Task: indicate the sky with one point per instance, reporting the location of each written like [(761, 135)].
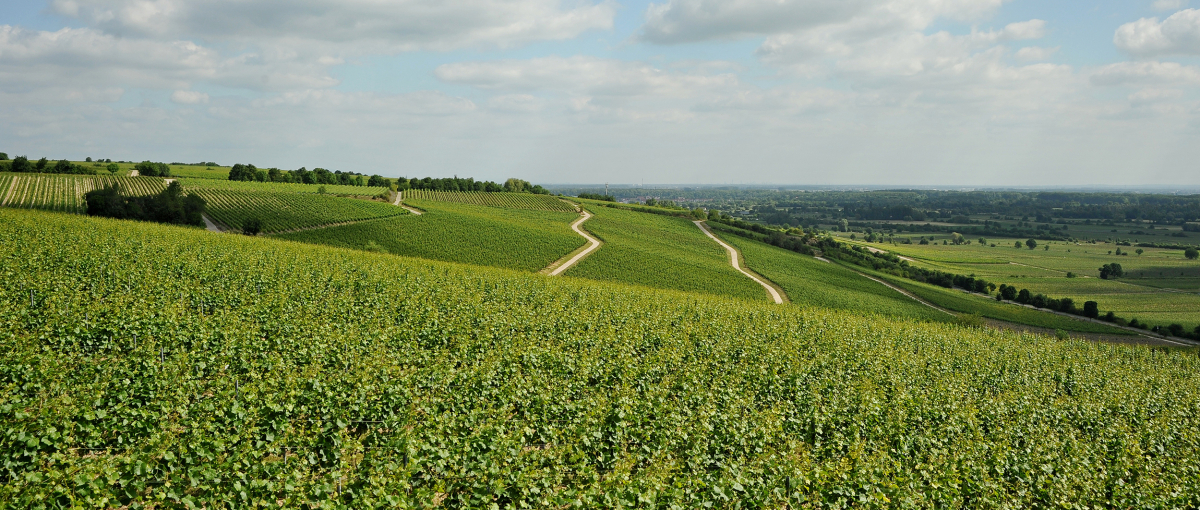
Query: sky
[(873, 92)]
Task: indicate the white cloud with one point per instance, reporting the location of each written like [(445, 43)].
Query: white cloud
[(352, 25), (1179, 34), (583, 75), (1036, 53), (1145, 73), (1169, 5), (189, 97), (31, 59), (678, 21)]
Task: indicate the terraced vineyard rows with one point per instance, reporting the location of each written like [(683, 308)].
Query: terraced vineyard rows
[(280, 212), (660, 251), (508, 200), (242, 372), (278, 187), (64, 193), (511, 238)]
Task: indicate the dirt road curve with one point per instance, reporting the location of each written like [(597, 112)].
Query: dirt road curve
[(733, 259), (210, 225), (593, 244)]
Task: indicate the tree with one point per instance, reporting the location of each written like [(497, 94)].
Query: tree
[(113, 168), (240, 172), (844, 226), (62, 167), (1140, 251), (88, 160), (1111, 271), (152, 169), (22, 164), (3, 156), (1017, 244), (1091, 309), (252, 226), (1031, 243), (514, 185), (957, 239), (41, 164), (1191, 254), (982, 241)]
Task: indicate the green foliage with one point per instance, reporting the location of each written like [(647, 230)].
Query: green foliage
[(660, 251), (152, 169), (252, 226), (526, 240), (1111, 271), (808, 281), (1190, 253), (169, 206), (280, 212), (237, 372), (113, 168), (280, 187), (1031, 243), (65, 192), (508, 200)]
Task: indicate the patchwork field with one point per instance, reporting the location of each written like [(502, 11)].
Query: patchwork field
[(280, 187), (279, 212), (660, 251), (505, 200), (64, 193), (1159, 287), (522, 239)]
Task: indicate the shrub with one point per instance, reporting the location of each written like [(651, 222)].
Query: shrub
[(252, 226)]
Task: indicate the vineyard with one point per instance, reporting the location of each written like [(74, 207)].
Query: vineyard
[(660, 251), (811, 282), (506, 200), (280, 212), (525, 240), (278, 187), (237, 372), (65, 192)]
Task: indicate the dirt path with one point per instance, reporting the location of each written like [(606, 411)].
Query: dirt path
[(907, 293), (733, 259), (211, 225), (9, 192), (413, 210), (133, 173), (877, 250), (559, 266)]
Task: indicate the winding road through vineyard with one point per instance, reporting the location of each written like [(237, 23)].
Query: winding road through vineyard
[(733, 259)]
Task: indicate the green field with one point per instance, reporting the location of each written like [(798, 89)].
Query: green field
[(281, 187), (200, 172), (60, 192), (508, 200), (808, 281), (280, 212), (526, 240), (1160, 287), (147, 365), (660, 251)]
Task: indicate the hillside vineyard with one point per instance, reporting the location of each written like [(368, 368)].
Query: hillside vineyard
[(146, 365)]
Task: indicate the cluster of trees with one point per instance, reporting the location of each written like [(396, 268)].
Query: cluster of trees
[(21, 164), (152, 169), (241, 172), (597, 196), (512, 185), (1111, 271), (169, 206), (1090, 309)]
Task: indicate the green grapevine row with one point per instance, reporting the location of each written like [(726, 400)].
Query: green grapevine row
[(289, 211), (195, 183), (508, 200), (53, 192), (526, 240), (149, 365)]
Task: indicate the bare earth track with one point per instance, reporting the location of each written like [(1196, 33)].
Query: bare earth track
[(733, 259), (559, 266)]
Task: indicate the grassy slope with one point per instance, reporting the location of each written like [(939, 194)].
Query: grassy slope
[(395, 382), (487, 236), (281, 187), (660, 251), (494, 199), (811, 282), (1045, 272)]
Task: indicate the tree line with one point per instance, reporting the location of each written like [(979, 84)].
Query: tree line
[(247, 172)]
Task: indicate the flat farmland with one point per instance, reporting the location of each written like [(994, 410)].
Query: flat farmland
[(1159, 286)]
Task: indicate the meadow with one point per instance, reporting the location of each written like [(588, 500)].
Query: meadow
[(660, 251), (811, 282), (522, 239), (280, 212), (237, 372), (1159, 288), (505, 200)]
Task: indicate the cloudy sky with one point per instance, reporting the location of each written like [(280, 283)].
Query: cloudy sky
[(918, 92)]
